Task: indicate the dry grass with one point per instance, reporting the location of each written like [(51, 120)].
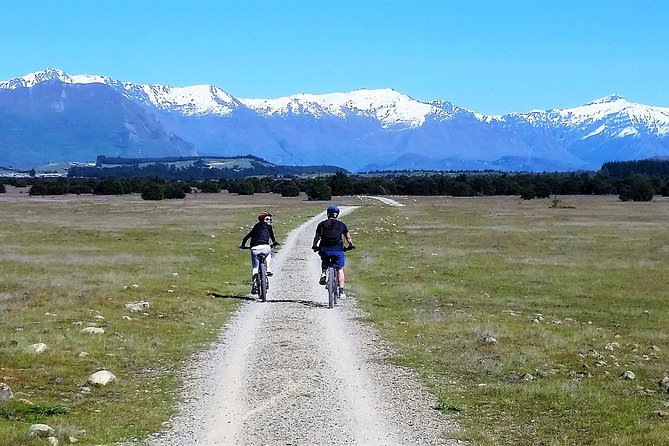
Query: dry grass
[(73, 262), (574, 296)]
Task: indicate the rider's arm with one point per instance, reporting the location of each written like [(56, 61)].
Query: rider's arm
[(347, 235), (246, 237), (317, 236)]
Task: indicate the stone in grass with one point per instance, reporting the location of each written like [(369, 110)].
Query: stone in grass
[(36, 349), (93, 330), (52, 441), (40, 430), (629, 375), (136, 307), (5, 393), (663, 384), (101, 378)]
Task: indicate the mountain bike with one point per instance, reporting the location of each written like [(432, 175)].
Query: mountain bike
[(261, 280), (332, 279)]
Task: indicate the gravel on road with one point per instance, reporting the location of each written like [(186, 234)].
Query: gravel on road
[(290, 371)]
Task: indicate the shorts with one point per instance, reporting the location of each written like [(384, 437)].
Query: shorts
[(334, 255)]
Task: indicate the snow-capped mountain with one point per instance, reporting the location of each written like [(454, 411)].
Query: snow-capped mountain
[(53, 116)]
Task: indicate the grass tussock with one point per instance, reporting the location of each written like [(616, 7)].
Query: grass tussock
[(573, 296)]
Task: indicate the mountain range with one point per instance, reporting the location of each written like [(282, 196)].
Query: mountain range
[(50, 116)]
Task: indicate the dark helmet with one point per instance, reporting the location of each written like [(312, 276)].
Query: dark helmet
[(333, 210), (264, 215)]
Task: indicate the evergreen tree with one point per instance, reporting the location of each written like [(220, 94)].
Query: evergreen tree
[(527, 192), (340, 184), (153, 191), (245, 187), (108, 186), (290, 190), (208, 186), (319, 190), (637, 188), (174, 190)]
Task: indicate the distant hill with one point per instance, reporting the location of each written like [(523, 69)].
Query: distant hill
[(194, 167)]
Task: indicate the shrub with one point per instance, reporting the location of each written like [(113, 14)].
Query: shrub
[(209, 186), (527, 192), (245, 188), (637, 188), (174, 191), (153, 191), (290, 190), (2, 188), (80, 188), (319, 190), (109, 186), (48, 188), (664, 190)]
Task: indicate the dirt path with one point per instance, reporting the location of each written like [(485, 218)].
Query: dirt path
[(385, 200), (293, 372)]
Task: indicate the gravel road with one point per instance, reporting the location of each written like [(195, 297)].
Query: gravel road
[(293, 372)]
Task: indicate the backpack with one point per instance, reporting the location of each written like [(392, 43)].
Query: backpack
[(331, 233)]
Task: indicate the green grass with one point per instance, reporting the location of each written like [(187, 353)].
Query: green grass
[(72, 262), (437, 277), (440, 276)]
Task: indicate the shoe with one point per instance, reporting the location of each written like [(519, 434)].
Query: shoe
[(322, 280), (270, 273), (342, 295), (254, 289)]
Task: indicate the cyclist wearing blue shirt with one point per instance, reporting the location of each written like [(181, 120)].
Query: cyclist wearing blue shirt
[(328, 243)]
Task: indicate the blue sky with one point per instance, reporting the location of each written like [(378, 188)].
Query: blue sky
[(490, 56)]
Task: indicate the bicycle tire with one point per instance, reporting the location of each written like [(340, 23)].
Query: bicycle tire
[(330, 282), (262, 281)]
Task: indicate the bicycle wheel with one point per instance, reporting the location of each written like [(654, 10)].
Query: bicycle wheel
[(262, 281), (331, 285)]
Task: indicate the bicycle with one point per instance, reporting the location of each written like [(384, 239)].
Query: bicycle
[(261, 280), (332, 279)]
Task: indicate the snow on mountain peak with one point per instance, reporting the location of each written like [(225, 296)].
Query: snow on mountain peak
[(192, 100), (386, 105), (32, 79)]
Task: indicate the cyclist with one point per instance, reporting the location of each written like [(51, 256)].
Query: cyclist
[(260, 235), (328, 243)]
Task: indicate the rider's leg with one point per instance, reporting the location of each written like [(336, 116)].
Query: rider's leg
[(268, 261), (254, 270), (324, 267), (254, 262), (342, 282), (341, 275)]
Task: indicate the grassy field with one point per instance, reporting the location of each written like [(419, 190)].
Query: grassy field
[(523, 315), (74, 262)]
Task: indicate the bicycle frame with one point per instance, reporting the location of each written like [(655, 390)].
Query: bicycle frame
[(262, 281), (332, 284)]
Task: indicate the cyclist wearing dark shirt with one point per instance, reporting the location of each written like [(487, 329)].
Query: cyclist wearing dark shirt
[(261, 234), (328, 243)]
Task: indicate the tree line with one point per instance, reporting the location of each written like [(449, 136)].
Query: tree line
[(637, 187)]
